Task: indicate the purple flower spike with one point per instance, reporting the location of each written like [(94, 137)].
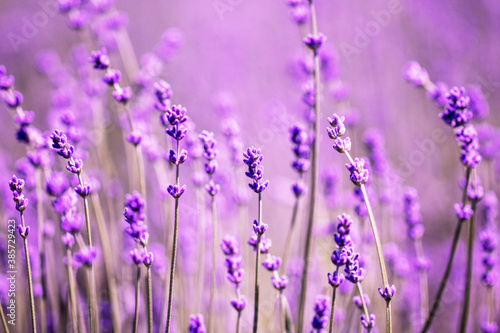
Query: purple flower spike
[(196, 324), (14, 100), (59, 139), (16, 184), (148, 259), (321, 308), (99, 59), (229, 245), (280, 283), (368, 323), (23, 231), (239, 303), (176, 115), (463, 213), (21, 201), (176, 191), (387, 292), (68, 239), (336, 279), (75, 166), (137, 256), (342, 145), (259, 229), (123, 95), (314, 42), (84, 190), (163, 92), (489, 327), (415, 74), (134, 137), (456, 112), (86, 256), (337, 128), (176, 160), (359, 175), (112, 77), (272, 263)]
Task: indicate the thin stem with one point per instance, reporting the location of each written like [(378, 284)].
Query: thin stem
[(332, 313), (174, 250), (108, 262), (201, 244), (30, 280), (449, 265), (149, 288), (41, 247), (468, 278), (214, 251), (257, 256), (4, 322), (71, 281), (136, 308), (314, 172), (94, 326), (238, 322), (365, 308), (424, 285), (289, 236)]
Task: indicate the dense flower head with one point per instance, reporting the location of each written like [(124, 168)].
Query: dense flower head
[(337, 128), (265, 243), (321, 309), (196, 324), (413, 217), (99, 59), (359, 174), (279, 283), (134, 216), (368, 322), (314, 42), (16, 186), (456, 112), (176, 116), (387, 292), (463, 212), (163, 92), (86, 255), (239, 303), (467, 137), (272, 263), (229, 245), (354, 272), (415, 74), (252, 158)]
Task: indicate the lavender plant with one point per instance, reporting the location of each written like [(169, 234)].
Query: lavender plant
[(123, 146)]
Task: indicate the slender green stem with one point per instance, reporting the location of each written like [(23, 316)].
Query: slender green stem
[(214, 251), (71, 282), (468, 277), (136, 308), (449, 265), (257, 256), (4, 322), (238, 322), (30, 279), (314, 172), (149, 288), (174, 251)]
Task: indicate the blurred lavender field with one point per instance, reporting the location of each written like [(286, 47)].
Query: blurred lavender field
[(242, 71)]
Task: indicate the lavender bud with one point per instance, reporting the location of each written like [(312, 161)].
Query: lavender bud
[(239, 303), (83, 190), (23, 231), (259, 229), (387, 292)]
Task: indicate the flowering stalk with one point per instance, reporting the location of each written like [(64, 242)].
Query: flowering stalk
[(100, 61), (17, 186), (68, 240), (475, 193), (235, 273), (320, 313), (416, 229), (339, 258), (359, 176), (272, 264), (175, 116), (210, 153), (65, 150), (301, 164), (312, 41), (457, 115), (253, 158)]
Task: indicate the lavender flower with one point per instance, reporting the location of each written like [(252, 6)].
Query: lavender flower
[(320, 318), (196, 324), (235, 272), (253, 158)]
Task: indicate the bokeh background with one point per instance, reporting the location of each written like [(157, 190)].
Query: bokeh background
[(249, 50)]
